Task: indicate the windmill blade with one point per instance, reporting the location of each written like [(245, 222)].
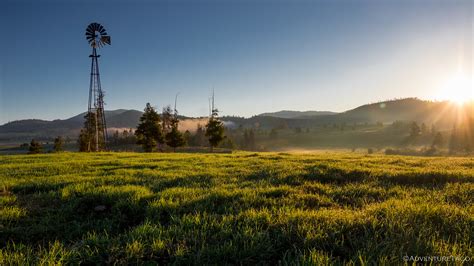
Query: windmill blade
[(105, 39)]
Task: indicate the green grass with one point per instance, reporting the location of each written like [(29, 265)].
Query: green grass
[(240, 208)]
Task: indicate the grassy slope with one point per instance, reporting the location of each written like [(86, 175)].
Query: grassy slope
[(234, 208)]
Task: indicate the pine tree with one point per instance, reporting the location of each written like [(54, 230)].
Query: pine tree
[(87, 137), (35, 147), (433, 130), (438, 140), (58, 144), (453, 140), (249, 139), (228, 143), (174, 138), (187, 137), (214, 130), (414, 130), (166, 117), (116, 137), (149, 132), (199, 137), (424, 129)]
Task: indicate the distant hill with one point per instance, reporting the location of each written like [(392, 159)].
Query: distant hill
[(442, 114), (23, 130), (297, 114)]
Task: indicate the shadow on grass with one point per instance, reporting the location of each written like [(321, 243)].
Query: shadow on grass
[(50, 217)]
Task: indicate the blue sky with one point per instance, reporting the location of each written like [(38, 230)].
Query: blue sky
[(259, 56)]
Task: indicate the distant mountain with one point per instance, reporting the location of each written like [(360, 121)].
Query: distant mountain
[(42, 129), (410, 109), (108, 114), (442, 114), (297, 114)]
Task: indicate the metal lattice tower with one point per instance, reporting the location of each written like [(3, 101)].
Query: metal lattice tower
[(97, 38)]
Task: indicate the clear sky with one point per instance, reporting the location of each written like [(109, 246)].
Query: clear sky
[(259, 55)]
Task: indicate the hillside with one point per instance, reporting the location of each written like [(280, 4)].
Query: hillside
[(297, 114), (410, 109), (442, 114), (23, 130)]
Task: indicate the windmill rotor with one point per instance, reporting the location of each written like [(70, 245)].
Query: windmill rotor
[(97, 36)]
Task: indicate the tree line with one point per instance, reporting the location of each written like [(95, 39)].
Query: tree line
[(155, 131), (160, 132)]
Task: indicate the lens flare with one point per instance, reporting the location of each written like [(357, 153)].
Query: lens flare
[(458, 89)]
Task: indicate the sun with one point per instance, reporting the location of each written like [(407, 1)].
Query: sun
[(458, 89)]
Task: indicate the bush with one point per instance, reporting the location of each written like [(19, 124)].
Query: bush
[(35, 147)]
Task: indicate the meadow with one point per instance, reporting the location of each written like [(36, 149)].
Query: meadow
[(238, 208)]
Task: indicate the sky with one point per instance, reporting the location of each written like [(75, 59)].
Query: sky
[(258, 56)]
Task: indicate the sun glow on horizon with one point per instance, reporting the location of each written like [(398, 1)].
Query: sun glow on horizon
[(458, 89)]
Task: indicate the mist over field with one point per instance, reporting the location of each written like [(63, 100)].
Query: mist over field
[(404, 126)]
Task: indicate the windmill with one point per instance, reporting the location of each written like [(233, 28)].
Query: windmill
[(97, 38)]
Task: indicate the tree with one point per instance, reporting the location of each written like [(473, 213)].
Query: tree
[(249, 139), (214, 130), (424, 129), (87, 138), (199, 137), (273, 133), (174, 138), (35, 147), (149, 132), (58, 144), (116, 137), (433, 130), (454, 143), (414, 130), (228, 143), (125, 134), (166, 117), (187, 137), (438, 140)]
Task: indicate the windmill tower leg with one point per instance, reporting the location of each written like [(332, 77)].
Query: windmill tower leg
[(96, 107)]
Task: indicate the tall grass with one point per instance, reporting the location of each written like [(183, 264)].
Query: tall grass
[(240, 208)]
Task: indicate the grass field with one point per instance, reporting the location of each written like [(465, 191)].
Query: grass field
[(240, 208)]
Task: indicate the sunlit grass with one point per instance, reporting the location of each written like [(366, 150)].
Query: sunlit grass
[(241, 208)]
